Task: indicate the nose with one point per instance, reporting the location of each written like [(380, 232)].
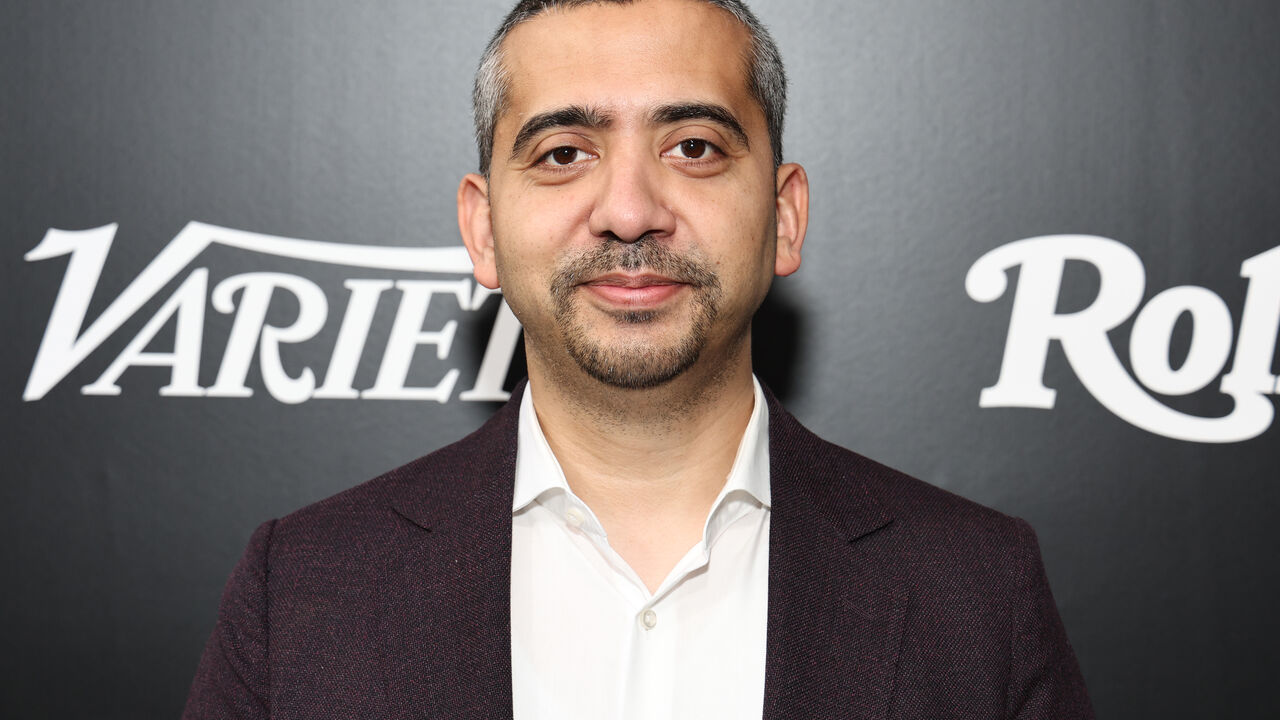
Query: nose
[(633, 201)]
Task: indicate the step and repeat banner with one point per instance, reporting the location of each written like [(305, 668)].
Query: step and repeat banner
[(1043, 272)]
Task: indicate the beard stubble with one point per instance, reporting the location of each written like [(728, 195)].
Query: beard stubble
[(640, 364)]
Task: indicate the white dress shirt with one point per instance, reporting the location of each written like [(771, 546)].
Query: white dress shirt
[(588, 639)]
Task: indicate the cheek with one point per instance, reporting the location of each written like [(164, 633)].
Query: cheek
[(740, 205), (745, 236), (525, 256), (531, 224), (744, 256)]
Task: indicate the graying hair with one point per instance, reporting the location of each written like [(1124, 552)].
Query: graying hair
[(766, 78)]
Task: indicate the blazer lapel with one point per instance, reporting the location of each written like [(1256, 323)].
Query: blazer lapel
[(446, 629), (837, 603)]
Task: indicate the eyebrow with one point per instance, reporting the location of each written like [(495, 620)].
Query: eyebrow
[(718, 114), (571, 116)]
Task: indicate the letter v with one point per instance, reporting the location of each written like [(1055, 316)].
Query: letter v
[(63, 346)]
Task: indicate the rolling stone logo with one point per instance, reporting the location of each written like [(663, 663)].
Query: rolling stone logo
[(1034, 325), (1083, 335)]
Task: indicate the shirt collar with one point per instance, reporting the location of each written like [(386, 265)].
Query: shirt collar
[(538, 472)]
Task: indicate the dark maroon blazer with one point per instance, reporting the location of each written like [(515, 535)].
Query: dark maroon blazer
[(888, 598)]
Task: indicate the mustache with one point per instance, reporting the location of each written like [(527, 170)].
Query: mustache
[(645, 254)]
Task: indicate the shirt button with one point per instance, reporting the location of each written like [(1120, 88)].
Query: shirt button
[(649, 619), (574, 517)]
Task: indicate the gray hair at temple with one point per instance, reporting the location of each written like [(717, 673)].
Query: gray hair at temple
[(766, 78)]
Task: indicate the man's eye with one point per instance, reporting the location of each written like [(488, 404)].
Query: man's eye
[(566, 155), (694, 149)]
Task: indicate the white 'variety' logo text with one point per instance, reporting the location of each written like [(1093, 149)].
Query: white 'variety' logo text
[(67, 342)]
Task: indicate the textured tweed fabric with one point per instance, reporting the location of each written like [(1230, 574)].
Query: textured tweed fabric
[(888, 598)]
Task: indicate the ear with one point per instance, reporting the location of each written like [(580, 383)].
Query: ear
[(793, 217), (477, 228)]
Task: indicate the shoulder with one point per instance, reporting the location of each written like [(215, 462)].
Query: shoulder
[(927, 522), (966, 582), (461, 477), (930, 511)]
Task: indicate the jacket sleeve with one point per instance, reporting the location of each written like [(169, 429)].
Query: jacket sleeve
[(233, 677), (1044, 678)]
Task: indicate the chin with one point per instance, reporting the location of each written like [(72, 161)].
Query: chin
[(634, 366)]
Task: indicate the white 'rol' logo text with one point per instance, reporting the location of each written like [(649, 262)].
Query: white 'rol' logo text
[(1083, 335), (67, 342)]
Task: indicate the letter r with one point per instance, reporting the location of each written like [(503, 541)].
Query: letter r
[(1035, 322)]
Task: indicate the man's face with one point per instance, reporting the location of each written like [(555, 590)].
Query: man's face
[(632, 209)]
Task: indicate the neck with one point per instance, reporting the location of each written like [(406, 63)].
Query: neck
[(649, 463), (646, 438)]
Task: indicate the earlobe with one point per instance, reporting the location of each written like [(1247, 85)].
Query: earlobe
[(793, 217), (476, 227)]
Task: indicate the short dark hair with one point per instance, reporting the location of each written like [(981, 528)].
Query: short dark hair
[(766, 78)]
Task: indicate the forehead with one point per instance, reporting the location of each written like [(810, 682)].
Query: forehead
[(626, 56)]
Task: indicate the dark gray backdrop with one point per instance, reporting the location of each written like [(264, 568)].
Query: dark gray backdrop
[(933, 132)]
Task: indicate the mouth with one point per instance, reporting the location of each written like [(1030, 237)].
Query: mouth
[(633, 290)]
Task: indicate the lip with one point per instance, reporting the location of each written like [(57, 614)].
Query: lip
[(633, 290)]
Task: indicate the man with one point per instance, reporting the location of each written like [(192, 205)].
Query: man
[(642, 532)]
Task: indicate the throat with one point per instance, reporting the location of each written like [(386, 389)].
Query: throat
[(653, 548), (649, 469)]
